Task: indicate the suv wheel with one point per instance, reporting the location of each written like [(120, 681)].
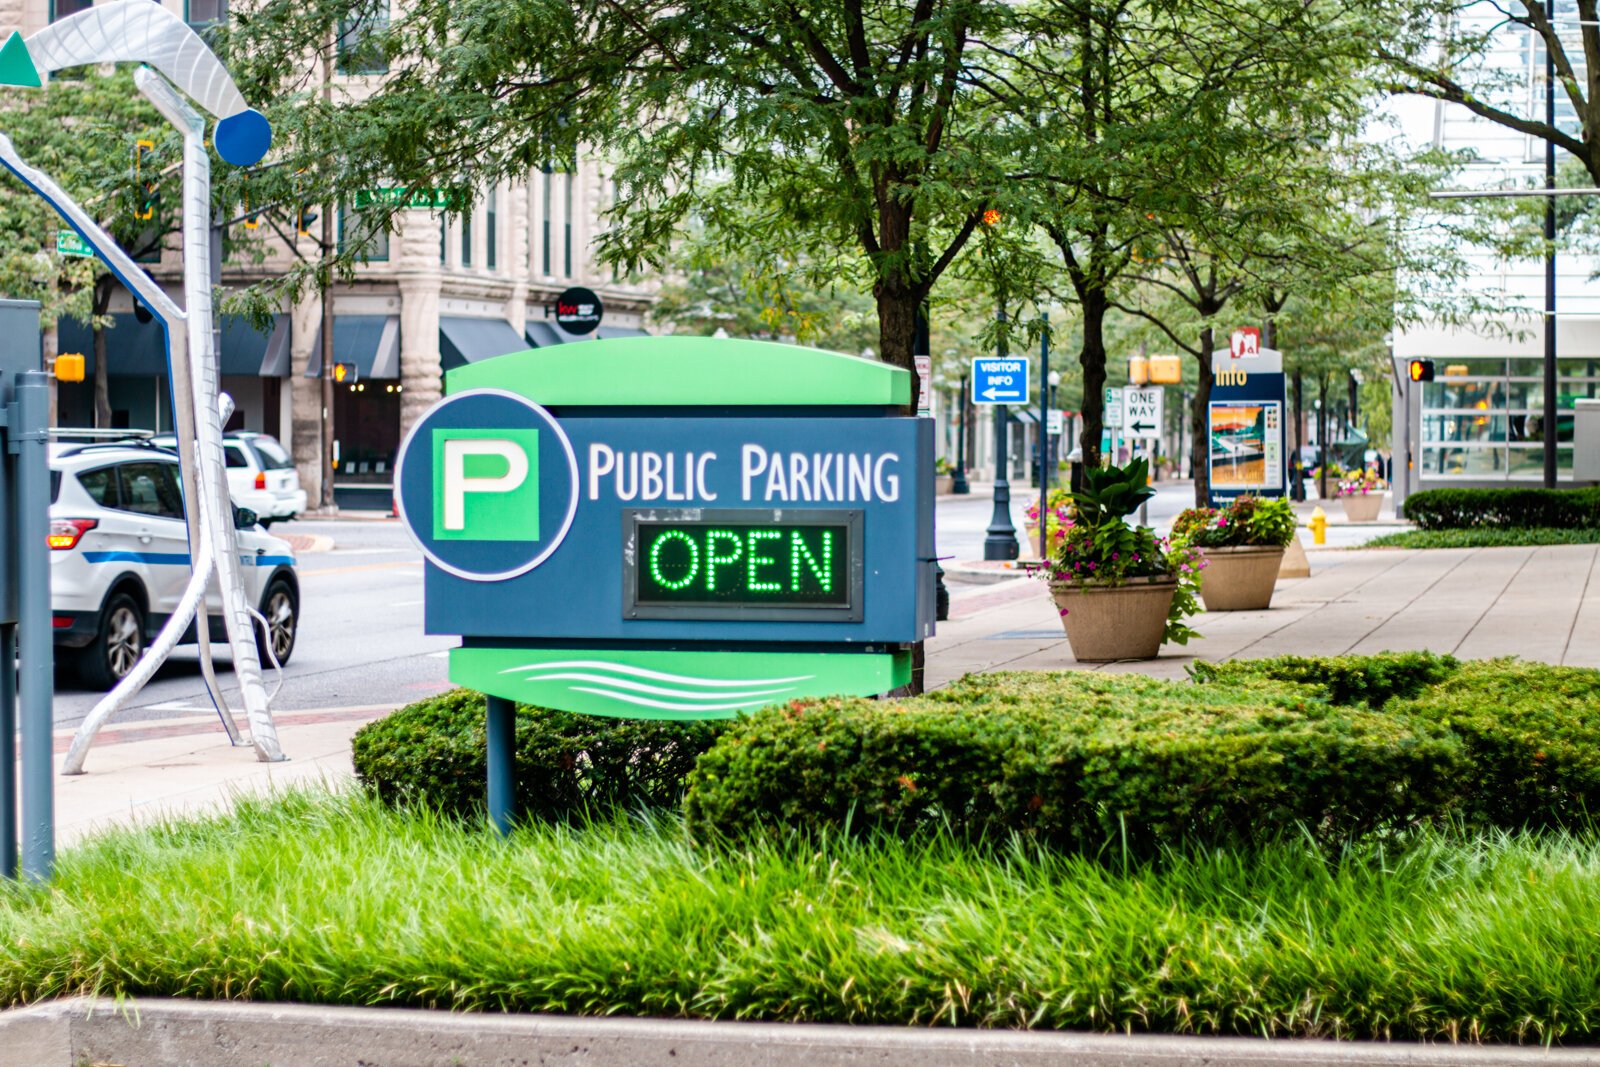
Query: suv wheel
[(117, 644), (281, 608)]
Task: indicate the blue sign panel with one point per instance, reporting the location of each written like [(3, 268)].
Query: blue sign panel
[(488, 483), (770, 529), (1002, 380), (1247, 417)]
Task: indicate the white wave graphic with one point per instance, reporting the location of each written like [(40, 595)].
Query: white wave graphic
[(656, 676), (618, 681), (670, 706), (657, 690)]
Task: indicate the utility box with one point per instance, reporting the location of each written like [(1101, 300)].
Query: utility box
[(1586, 442), (19, 351)]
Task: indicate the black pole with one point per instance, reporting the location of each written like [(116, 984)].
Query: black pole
[(1002, 540), (1550, 405), (501, 728), (958, 478), (1044, 435)]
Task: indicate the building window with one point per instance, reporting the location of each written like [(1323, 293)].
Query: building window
[(466, 240), (360, 44), (60, 9), (545, 217), (373, 237), (1484, 418), (566, 227), (444, 240), (489, 205), (200, 14)]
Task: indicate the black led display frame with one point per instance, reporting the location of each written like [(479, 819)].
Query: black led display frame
[(754, 564)]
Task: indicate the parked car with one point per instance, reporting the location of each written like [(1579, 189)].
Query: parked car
[(261, 476), (119, 560)]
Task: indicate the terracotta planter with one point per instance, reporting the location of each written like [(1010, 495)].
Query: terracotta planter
[(1240, 579), (1111, 622), (1362, 507)]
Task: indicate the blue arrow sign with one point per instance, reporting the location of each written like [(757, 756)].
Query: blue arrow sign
[(1002, 380)]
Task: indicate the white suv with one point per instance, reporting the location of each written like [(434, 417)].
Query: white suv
[(119, 560), (261, 476)]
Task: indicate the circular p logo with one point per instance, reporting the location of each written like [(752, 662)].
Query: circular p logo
[(487, 483)]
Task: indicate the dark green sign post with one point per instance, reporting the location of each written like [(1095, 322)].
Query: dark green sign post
[(670, 527)]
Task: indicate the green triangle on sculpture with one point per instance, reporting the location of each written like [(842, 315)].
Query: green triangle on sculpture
[(16, 64)]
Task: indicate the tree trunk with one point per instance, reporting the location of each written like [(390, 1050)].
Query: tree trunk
[(898, 304), (1200, 439), (102, 384), (1325, 454), (1092, 358)]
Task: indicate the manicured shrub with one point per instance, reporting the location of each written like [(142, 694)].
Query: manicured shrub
[(1449, 509), (1080, 760), (434, 753), (1370, 680)]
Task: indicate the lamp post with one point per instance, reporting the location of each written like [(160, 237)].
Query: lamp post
[(1001, 542), (958, 477)]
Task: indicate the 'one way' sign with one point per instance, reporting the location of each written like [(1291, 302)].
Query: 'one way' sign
[(1142, 411)]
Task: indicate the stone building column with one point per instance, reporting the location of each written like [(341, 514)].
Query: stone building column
[(305, 395), (515, 262), (421, 376)]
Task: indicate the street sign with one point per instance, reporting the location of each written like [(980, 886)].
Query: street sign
[(924, 368), (1053, 423), (434, 199), (1143, 410), (1113, 408), (1245, 343), (1001, 380), (68, 243)]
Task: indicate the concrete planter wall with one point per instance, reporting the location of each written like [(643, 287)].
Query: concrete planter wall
[(944, 484), (1111, 622), (1240, 579), (1362, 507)]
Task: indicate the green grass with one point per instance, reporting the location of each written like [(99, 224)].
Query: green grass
[(311, 898), (1486, 537)]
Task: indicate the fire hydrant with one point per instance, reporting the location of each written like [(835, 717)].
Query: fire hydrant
[(1319, 527)]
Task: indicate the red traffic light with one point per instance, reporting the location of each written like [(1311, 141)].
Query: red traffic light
[(1421, 370)]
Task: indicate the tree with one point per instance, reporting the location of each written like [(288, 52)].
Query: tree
[(88, 131), (857, 127)]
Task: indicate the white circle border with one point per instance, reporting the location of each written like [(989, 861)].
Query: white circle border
[(572, 468)]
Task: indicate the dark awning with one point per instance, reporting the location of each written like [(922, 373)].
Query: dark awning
[(246, 350), (543, 333), (463, 340), (371, 342), (133, 348)]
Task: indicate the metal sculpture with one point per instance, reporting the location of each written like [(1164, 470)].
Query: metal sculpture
[(141, 31)]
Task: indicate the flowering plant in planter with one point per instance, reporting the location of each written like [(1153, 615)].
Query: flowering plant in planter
[(1247, 520), (1058, 516), (1100, 549), (1360, 483)]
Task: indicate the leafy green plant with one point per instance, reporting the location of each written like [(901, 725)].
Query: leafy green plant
[(1487, 537), (1110, 492), (1247, 520), (434, 753)]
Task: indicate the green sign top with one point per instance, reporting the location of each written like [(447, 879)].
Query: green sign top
[(687, 372), (435, 199), (68, 243)]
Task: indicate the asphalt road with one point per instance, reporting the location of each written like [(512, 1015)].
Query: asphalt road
[(360, 640)]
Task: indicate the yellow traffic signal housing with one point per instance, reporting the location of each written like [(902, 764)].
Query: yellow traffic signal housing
[(144, 191), (1421, 370), (69, 367), (1138, 370), (1166, 370)]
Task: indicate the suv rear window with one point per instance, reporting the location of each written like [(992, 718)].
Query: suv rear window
[(101, 485), (273, 457)]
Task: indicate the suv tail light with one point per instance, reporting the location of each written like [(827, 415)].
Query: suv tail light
[(66, 533), (261, 479)]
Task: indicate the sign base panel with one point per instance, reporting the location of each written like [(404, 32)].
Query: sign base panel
[(649, 684)]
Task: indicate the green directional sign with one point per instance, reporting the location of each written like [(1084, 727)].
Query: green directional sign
[(433, 199), (68, 243)]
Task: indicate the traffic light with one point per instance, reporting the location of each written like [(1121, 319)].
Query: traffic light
[(303, 220), (345, 373), (1421, 370), (145, 191)]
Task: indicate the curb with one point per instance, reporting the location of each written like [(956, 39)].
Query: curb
[(169, 1033)]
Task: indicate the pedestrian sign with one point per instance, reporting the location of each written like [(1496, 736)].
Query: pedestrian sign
[(1143, 411), (1113, 408), (1002, 380)]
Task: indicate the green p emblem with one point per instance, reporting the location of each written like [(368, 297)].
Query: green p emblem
[(486, 485)]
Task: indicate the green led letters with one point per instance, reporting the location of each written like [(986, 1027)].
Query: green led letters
[(712, 559), (661, 542), (754, 560), (821, 571)]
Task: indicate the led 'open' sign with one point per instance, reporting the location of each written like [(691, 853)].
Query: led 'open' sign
[(752, 564)]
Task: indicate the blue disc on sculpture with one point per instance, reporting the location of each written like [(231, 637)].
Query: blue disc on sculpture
[(244, 138)]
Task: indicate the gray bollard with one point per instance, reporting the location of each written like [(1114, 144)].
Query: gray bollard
[(29, 435)]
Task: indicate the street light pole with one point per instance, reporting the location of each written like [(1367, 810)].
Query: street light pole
[(1550, 404), (1044, 436), (958, 477), (1001, 542)]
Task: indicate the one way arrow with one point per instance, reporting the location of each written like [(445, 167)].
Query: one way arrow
[(1142, 426)]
